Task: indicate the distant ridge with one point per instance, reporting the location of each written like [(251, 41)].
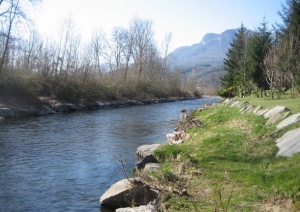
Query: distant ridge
[(210, 50)]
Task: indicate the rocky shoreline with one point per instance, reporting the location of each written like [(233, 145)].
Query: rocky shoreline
[(133, 189), (53, 107)]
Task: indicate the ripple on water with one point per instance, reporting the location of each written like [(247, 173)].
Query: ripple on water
[(63, 162)]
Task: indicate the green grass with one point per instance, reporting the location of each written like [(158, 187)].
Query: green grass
[(231, 165), (267, 102)]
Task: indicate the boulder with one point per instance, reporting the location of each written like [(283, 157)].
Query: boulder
[(29, 111), (243, 108), (132, 103), (290, 120), (145, 150), (236, 103), (176, 142), (225, 101), (277, 117), (289, 143), (250, 109), (99, 104), (178, 136), (6, 112), (259, 107), (262, 112), (143, 208), (242, 104), (275, 110), (172, 137), (46, 110), (147, 159), (64, 108), (125, 193), (94, 105), (151, 167)]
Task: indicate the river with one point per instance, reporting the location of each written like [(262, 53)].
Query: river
[(64, 162)]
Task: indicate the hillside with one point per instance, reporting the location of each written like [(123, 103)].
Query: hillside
[(204, 60), (210, 50)]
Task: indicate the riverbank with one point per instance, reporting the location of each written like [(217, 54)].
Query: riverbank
[(229, 164), (11, 107)]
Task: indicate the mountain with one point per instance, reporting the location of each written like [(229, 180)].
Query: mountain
[(211, 50)]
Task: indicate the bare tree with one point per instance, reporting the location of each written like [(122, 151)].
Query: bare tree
[(67, 49), (270, 67), (142, 34), (11, 14), (97, 48), (165, 55)]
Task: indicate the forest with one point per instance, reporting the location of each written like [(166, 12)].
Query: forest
[(126, 63), (267, 61)]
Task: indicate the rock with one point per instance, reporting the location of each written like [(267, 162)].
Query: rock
[(177, 142), (124, 193), (132, 103), (228, 102), (250, 109), (145, 150), (277, 117), (64, 108), (6, 112), (172, 137), (262, 112), (246, 109), (235, 104), (25, 112), (46, 110), (151, 167), (147, 159), (275, 110), (242, 104), (194, 123), (225, 101), (259, 107), (80, 106), (180, 135), (289, 143), (94, 105), (143, 208), (2, 119), (99, 104), (243, 108), (290, 120)]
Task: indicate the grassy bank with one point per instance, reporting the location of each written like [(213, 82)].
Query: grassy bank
[(229, 165)]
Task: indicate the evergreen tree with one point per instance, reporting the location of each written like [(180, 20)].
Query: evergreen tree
[(235, 64), (288, 34), (258, 47)]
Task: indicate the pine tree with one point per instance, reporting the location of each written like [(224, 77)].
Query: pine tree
[(258, 47), (288, 35), (235, 64)]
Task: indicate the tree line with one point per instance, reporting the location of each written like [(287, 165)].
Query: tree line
[(127, 63), (265, 59)]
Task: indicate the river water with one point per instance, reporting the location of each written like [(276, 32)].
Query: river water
[(64, 162)]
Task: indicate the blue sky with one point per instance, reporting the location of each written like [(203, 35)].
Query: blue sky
[(188, 20)]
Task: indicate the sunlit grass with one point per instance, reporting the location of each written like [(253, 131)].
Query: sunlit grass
[(230, 165), (292, 104)]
